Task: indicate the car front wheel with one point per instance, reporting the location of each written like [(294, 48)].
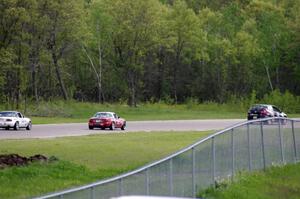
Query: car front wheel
[(91, 127), (112, 126), (124, 126), (16, 126), (29, 126)]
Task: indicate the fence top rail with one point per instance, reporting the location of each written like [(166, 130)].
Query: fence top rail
[(144, 168)]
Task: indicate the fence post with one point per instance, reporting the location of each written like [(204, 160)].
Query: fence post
[(193, 172), (262, 144), (213, 169), (171, 177), (92, 192), (121, 187), (249, 148), (232, 155), (147, 182), (280, 141), (294, 140)]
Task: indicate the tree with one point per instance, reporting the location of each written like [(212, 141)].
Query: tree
[(134, 33), (271, 25), (99, 42), (36, 31), (290, 76), (64, 22), (13, 17), (185, 40), (248, 52), (213, 80)]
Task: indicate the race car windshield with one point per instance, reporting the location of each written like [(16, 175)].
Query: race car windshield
[(259, 106), (7, 114), (103, 115)]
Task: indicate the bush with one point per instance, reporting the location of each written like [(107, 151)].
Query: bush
[(285, 101), (242, 103), (50, 109), (192, 103)]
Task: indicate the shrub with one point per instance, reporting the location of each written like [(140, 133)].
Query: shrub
[(286, 101), (50, 109)]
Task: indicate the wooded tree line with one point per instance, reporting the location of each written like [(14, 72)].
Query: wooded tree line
[(147, 50)]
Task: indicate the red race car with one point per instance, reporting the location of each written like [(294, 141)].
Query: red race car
[(107, 120)]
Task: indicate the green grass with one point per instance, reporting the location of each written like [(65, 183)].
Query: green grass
[(61, 112), (85, 159), (71, 111), (29, 181), (274, 183)]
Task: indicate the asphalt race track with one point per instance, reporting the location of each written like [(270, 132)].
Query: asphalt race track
[(78, 129)]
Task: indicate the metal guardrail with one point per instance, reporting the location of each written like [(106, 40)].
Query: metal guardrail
[(251, 145)]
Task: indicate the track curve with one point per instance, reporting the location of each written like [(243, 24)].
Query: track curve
[(79, 129)]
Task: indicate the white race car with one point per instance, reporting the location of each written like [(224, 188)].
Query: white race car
[(14, 119)]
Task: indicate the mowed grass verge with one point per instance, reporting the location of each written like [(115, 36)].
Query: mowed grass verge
[(62, 112), (275, 183), (74, 112), (85, 159)]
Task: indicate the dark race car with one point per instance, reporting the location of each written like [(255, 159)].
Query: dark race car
[(263, 111), (105, 120)]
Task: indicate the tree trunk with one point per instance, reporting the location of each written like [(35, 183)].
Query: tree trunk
[(34, 54), (98, 75), (55, 58), (25, 104), (277, 78), (100, 90), (58, 75), (18, 77), (269, 78), (132, 90), (179, 48), (33, 63), (161, 71), (177, 62), (34, 85)]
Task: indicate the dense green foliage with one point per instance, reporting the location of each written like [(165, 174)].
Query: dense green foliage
[(84, 159), (60, 111), (148, 50), (274, 183)]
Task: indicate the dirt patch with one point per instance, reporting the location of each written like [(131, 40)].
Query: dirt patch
[(17, 160)]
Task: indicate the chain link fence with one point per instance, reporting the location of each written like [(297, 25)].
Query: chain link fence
[(251, 145)]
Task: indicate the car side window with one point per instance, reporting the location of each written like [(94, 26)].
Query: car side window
[(19, 115), (270, 108), (115, 116), (276, 109)]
